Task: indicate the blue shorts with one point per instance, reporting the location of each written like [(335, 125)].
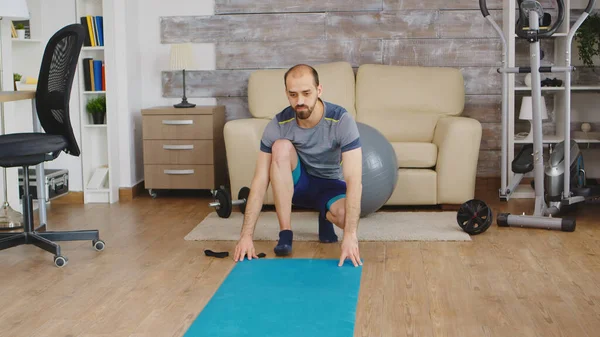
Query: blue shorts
[(314, 192)]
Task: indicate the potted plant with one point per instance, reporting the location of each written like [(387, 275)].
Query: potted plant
[(16, 78), (97, 108), (588, 38), (20, 28)]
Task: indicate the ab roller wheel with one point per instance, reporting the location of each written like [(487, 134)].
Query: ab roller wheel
[(474, 217)]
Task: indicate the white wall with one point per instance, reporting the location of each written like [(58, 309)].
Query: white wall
[(147, 57)]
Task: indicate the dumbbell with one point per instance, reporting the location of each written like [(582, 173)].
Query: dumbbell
[(224, 204)]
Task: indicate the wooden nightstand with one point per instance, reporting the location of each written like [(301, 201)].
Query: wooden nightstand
[(184, 148)]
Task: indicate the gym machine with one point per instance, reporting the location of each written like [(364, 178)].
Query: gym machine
[(531, 13)]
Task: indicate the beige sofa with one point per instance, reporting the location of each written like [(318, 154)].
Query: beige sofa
[(416, 108)]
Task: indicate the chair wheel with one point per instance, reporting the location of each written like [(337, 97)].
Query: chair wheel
[(98, 245), (60, 261)]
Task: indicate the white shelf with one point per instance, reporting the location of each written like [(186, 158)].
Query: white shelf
[(543, 89), (97, 196), (99, 190), (573, 88), (97, 138), (101, 48), (585, 88), (26, 40), (557, 139), (546, 140)]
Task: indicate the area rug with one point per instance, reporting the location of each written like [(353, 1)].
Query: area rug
[(379, 226), (282, 297)]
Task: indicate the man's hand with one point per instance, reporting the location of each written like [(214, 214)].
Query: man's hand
[(244, 247), (350, 250)]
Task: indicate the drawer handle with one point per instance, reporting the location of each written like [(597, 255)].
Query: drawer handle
[(178, 122), (179, 171), (178, 147)]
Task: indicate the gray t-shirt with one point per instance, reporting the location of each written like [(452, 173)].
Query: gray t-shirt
[(320, 147)]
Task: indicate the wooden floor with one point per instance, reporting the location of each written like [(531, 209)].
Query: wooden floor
[(150, 282)]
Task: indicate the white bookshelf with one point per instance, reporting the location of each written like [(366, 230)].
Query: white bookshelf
[(96, 152)]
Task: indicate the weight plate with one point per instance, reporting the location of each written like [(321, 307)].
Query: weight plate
[(243, 195), (474, 217), (224, 199)]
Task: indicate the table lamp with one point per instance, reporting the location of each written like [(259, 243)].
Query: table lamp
[(527, 114), (10, 10), (182, 59)]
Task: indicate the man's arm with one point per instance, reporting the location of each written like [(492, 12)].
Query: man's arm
[(258, 188), (352, 168)]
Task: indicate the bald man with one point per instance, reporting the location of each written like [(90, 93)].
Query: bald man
[(301, 154)]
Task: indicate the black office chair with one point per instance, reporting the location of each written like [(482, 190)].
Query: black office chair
[(29, 149)]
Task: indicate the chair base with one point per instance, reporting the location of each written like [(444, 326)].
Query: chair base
[(46, 241), (42, 238)]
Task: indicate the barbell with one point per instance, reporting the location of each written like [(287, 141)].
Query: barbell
[(224, 204)]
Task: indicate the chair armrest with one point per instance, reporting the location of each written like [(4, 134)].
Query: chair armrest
[(458, 140), (242, 144)]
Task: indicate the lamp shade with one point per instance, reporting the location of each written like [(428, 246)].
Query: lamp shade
[(182, 56), (14, 9), (526, 112)]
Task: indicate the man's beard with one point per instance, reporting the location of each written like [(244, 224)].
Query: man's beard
[(305, 112)]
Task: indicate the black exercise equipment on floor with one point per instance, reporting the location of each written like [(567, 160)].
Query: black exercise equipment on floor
[(224, 204), (474, 217), (52, 96), (222, 255)]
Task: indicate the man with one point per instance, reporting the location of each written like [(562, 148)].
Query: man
[(311, 154)]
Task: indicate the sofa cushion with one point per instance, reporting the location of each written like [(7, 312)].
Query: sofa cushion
[(266, 89), (405, 102), (415, 155), (415, 187)]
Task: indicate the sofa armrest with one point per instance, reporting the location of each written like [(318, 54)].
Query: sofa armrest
[(458, 140), (242, 143)]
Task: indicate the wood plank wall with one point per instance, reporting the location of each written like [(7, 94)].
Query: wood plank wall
[(258, 34)]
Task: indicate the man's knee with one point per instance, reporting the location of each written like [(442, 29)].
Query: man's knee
[(338, 211), (282, 150)]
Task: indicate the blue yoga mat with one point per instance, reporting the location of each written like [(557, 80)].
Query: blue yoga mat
[(283, 297)]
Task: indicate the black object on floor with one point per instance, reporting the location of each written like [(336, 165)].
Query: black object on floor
[(221, 255), (474, 217)]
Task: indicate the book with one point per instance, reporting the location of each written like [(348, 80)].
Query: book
[(98, 75), (87, 42), (87, 76)]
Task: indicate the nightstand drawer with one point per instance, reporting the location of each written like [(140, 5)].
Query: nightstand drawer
[(178, 152), (179, 176), (177, 127)]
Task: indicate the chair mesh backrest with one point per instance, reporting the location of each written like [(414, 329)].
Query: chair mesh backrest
[(55, 81)]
